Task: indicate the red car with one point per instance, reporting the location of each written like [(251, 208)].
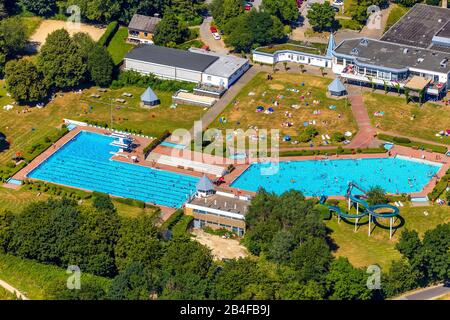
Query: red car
[(248, 7), (213, 29)]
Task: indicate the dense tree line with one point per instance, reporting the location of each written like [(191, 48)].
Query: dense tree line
[(292, 254), (12, 40), (63, 62), (105, 11), (247, 30)]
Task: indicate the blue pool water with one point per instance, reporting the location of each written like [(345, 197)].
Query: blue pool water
[(85, 163), (331, 177), (173, 145)]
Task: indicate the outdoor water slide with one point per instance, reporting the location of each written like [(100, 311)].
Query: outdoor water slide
[(367, 210)]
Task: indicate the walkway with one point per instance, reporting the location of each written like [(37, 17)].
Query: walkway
[(227, 98), (366, 133), (427, 293), (13, 290)]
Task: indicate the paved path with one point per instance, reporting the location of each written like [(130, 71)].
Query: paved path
[(227, 98), (427, 293), (13, 290), (365, 136), (207, 38)]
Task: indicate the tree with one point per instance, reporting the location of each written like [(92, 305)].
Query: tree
[(225, 10), (321, 16), (25, 82), (187, 268), (436, 252), (91, 289), (402, 277), (282, 244), (409, 244), (12, 39), (137, 242), (6, 219), (377, 195), (407, 3), (187, 10), (234, 277), (99, 63), (100, 66), (295, 290), (132, 284), (311, 259), (344, 282), (40, 7), (170, 30), (285, 10), (61, 61)]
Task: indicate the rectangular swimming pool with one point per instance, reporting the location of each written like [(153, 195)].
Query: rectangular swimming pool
[(331, 177), (84, 162)]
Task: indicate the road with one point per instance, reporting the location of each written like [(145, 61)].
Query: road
[(13, 290), (427, 294), (207, 38)]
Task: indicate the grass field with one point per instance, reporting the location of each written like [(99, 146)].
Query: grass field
[(118, 47), (363, 250), (24, 129), (32, 23), (33, 279), (6, 295), (16, 200), (396, 13), (262, 92), (428, 119)]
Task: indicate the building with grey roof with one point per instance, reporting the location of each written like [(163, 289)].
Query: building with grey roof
[(364, 60), (418, 26), (141, 28), (193, 66)]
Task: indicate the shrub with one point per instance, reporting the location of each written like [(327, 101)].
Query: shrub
[(173, 220), (338, 136), (401, 140), (324, 211), (109, 34), (156, 142), (181, 227)]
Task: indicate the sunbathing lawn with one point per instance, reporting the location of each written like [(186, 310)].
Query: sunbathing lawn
[(266, 91), (6, 295), (429, 119), (24, 129), (363, 250), (33, 279), (118, 47)]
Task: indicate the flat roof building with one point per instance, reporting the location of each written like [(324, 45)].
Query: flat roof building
[(194, 66), (219, 211)]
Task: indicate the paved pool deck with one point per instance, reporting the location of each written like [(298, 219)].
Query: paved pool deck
[(137, 157)]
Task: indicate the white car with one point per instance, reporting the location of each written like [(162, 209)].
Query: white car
[(216, 36), (338, 2)]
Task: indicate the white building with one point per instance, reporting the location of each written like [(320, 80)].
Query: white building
[(196, 66)]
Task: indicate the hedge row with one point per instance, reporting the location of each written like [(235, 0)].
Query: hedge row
[(173, 220), (339, 150), (109, 34), (56, 190), (181, 227), (440, 187), (156, 142), (413, 144)]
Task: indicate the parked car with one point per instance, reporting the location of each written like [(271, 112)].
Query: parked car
[(248, 6), (299, 3), (216, 36), (213, 29), (338, 2), (336, 9)]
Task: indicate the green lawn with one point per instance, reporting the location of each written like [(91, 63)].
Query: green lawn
[(396, 13), (6, 295), (32, 23), (262, 92), (293, 47), (34, 279), (16, 200), (363, 250), (118, 47), (24, 129), (408, 119)]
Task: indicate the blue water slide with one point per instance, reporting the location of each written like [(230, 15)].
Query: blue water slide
[(346, 215), (395, 211)]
